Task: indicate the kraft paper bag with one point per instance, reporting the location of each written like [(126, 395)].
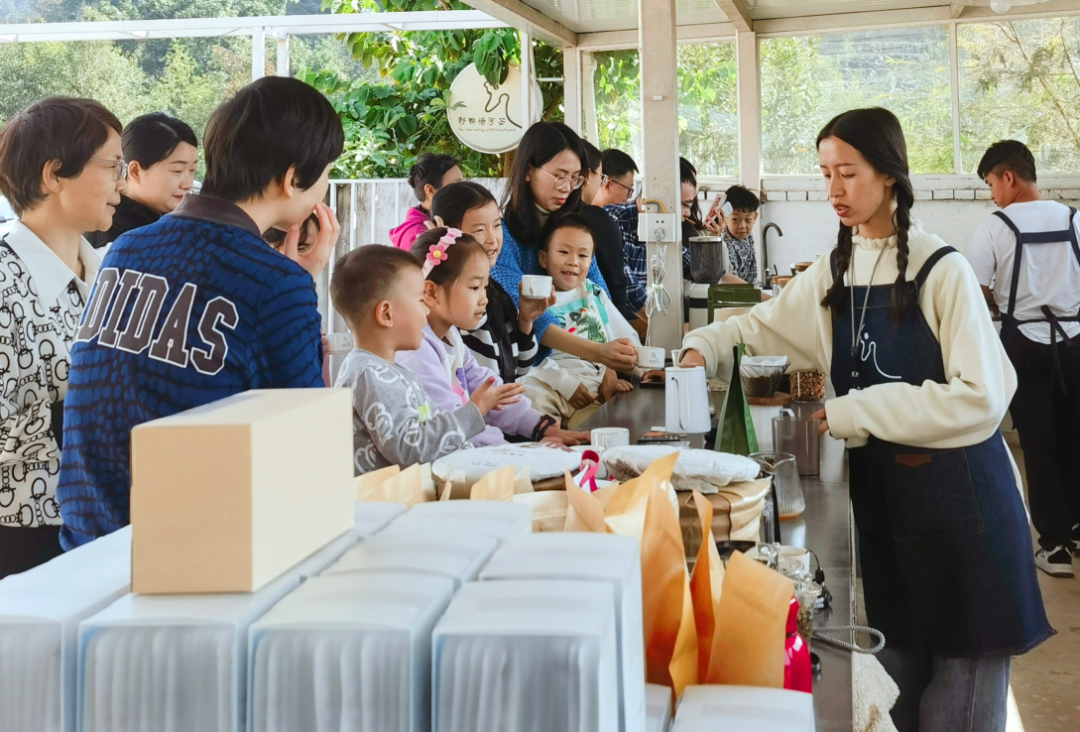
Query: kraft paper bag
[(404, 487), (642, 507), (549, 509), (523, 481), (751, 619), (747, 501), (705, 583), (583, 509), (369, 485), (498, 485)]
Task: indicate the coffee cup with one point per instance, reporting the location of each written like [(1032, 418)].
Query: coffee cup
[(604, 438), (650, 358), (536, 287)]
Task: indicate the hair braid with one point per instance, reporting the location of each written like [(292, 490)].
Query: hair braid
[(834, 298), (902, 293)]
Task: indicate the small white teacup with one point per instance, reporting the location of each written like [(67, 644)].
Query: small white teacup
[(536, 287), (650, 358)]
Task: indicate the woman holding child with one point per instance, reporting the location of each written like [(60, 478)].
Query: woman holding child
[(545, 180)]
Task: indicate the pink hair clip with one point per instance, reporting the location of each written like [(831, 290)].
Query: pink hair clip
[(437, 252)]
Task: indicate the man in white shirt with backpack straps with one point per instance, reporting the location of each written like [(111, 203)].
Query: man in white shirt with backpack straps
[(1027, 259)]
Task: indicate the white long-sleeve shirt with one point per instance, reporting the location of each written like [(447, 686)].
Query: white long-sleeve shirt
[(964, 411)]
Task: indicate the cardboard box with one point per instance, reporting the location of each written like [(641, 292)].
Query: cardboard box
[(226, 497)]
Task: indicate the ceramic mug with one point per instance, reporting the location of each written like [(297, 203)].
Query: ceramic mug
[(603, 438), (686, 401), (650, 358), (536, 287)]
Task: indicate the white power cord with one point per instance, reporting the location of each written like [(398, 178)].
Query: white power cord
[(659, 299)]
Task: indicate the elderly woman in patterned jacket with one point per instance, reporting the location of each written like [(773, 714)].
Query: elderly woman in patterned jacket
[(62, 170)]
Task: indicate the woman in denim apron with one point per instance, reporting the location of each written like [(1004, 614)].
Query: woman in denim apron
[(897, 319)]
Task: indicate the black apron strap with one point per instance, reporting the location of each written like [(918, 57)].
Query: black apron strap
[(924, 271), (1016, 262)]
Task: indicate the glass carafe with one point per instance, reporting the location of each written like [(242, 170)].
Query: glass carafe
[(785, 476)]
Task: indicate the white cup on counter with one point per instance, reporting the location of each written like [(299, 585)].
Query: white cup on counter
[(603, 438), (650, 358), (536, 287)]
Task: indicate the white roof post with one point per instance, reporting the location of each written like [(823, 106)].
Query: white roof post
[(283, 55), (748, 85), (572, 88), (258, 53), (660, 141)]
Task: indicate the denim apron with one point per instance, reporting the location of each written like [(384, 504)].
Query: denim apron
[(943, 536)]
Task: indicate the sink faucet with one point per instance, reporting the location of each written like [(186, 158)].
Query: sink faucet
[(765, 245)]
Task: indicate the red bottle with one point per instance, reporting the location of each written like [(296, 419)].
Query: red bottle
[(797, 654)]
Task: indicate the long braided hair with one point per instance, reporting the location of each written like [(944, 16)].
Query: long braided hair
[(877, 135)]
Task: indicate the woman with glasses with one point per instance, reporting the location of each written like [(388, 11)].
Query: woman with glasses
[(62, 170), (161, 154), (546, 179)]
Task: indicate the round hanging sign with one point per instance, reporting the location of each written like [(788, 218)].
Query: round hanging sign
[(488, 118)]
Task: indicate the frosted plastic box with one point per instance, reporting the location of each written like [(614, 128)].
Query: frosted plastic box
[(347, 652), (177, 663), (657, 708), (490, 518), (40, 612), (600, 557), (714, 707), (371, 517), (527, 656), (457, 556)]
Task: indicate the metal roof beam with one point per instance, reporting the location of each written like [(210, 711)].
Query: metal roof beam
[(615, 40), (737, 13), (280, 25), (527, 19)]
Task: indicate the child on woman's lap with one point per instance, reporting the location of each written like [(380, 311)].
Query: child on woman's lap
[(455, 292), (566, 386)]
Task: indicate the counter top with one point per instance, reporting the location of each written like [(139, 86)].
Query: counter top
[(825, 527)]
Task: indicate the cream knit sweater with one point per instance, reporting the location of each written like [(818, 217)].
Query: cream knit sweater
[(981, 380)]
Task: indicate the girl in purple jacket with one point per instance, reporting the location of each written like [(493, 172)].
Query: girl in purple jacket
[(456, 270)]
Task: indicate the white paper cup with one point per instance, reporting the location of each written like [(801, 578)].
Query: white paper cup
[(536, 287), (650, 358), (675, 356), (603, 438)]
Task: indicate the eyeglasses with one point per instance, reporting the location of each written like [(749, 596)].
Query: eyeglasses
[(630, 190), (120, 166), (569, 182)]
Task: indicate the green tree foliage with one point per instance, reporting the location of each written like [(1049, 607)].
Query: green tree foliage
[(388, 123), (708, 111), (805, 81), (1020, 80)]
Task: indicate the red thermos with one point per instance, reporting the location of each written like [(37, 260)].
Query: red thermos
[(797, 654)]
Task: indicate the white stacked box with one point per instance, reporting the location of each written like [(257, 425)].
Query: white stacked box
[(445, 554), (711, 708), (177, 663), (371, 517), (40, 612), (490, 518), (657, 708), (349, 653), (598, 557), (527, 656)]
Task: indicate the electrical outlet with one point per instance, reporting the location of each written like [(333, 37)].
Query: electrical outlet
[(659, 228)]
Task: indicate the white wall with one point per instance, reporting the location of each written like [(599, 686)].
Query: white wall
[(810, 227)]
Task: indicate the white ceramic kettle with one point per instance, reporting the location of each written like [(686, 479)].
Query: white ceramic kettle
[(686, 401)]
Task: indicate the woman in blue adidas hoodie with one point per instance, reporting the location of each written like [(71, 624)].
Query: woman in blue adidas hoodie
[(545, 180)]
